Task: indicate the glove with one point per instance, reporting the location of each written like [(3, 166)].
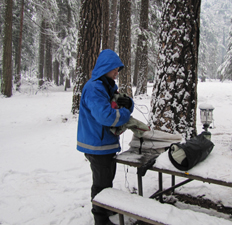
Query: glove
[(124, 102)]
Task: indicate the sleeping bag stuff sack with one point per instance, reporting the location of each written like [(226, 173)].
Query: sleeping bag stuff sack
[(185, 156)]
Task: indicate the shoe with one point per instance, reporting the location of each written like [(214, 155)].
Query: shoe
[(110, 223)]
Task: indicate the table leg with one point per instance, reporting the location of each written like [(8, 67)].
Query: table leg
[(158, 193), (121, 219), (161, 186), (173, 182), (140, 185)]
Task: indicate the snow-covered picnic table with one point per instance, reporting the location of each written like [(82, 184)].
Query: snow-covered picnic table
[(216, 168)]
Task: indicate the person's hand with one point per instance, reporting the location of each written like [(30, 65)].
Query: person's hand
[(124, 102)]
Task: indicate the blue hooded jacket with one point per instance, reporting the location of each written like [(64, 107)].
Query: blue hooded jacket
[(96, 115)]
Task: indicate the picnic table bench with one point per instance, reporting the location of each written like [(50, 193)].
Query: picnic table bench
[(150, 210)]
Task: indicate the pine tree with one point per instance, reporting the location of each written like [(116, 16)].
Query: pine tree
[(89, 41), (215, 22), (105, 23), (225, 69), (155, 8), (67, 80), (125, 47), (152, 36), (42, 52), (142, 51), (48, 53), (174, 97), (66, 44), (26, 31), (18, 55), (112, 24), (6, 85)]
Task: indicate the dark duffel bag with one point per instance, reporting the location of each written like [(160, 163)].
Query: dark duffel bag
[(185, 156)]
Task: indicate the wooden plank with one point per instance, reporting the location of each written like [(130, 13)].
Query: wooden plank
[(119, 211), (151, 211), (194, 177)]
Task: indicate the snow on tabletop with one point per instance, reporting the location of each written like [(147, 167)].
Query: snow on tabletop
[(154, 210), (211, 167), (127, 156)]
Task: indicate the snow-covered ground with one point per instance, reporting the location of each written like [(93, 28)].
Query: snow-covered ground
[(44, 180)]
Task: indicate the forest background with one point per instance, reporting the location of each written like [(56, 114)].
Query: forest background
[(60, 34), (60, 38)]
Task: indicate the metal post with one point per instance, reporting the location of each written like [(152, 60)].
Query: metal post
[(173, 182), (121, 219), (160, 186), (140, 184), (158, 193)]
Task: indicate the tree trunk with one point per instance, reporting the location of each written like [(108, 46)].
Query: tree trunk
[(67, 79), (174, 97), (225, 69), (136, 69), (62, 64), (48, 55), (142, 51), (89, 42), (18, 68), (125, 47), (56, 72), (6, 86), (41, 53), (105, 22), (113, 24), (61, 76), (67, 83)]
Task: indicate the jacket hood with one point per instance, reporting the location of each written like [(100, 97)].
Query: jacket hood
[(107, 61)]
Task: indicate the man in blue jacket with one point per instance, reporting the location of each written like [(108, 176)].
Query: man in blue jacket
[(96, 117)]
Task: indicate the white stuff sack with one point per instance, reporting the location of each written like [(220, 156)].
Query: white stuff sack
[(155, 139)]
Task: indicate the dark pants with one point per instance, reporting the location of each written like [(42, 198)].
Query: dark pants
[(103, 171)]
